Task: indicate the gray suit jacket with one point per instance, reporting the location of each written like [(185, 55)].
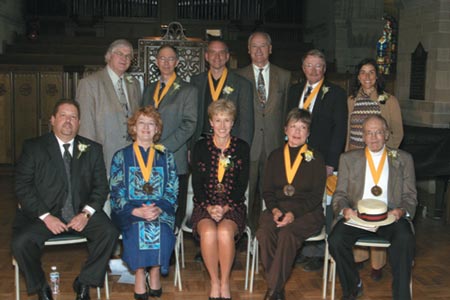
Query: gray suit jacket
[(102, 117), (269, 122), (178, 111), (241, 96), (401, 182)]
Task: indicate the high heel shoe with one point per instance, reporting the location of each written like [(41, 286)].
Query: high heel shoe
[(155, 293), (214, 298), (143, 296)]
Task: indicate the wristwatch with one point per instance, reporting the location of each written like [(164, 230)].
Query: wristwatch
[(86, 214)]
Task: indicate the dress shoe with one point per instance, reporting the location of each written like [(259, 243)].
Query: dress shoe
[(155, 293), (314, 264), (376, 274), (143, 296), (81, 289), (357, 293), (278, 295), (45, 293)]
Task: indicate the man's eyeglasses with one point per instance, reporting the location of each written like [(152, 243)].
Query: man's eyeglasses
[(311, 66), (122, 55), (169, 59), (374, 133)]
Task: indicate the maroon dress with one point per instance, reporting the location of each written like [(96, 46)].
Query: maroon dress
[(204, 181)]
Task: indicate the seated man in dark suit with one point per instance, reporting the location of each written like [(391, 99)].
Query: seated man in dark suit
[(385, 174), (61, 187)]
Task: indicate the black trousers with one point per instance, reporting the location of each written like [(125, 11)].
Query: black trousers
[(28, 241), (183, 181), (401, 254)]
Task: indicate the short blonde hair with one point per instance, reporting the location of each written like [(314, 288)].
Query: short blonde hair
[(222, 106)]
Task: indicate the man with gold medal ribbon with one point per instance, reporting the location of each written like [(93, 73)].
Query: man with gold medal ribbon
[(176, 101), (144, 188), (219, 82), (294, 184), (385, 174)]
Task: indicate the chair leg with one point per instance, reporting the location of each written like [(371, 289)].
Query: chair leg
[(16, 278), (106, 286), (177, 279), (325, 272), (333, 278), (249, 250), (254, 262)]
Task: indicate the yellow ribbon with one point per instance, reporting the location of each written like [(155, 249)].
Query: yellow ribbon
[(215, 92), (311, 96), (221, 168), (292, 170), (376, 173), (158, 97), (146, 168)]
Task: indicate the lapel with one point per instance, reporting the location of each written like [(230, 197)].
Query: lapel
[(273, 88), (131, 91), (75, 165), (171, 93), (319, 101), (394, 175), (359, 169), (56, 158), (230, 82)]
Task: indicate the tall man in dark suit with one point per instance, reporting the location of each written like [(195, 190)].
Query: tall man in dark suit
[(327, 103), (61, 187), (270, 89), (396, 186), (107, 98), (220, 83), (176, 101)]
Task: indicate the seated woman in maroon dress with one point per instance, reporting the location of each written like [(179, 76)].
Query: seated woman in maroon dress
[(293, 189), (220, 169)]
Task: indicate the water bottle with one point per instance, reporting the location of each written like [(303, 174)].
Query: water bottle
[(54, 280)]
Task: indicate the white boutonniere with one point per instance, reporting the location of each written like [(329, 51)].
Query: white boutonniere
[(176, 86), (226, 161), (159, 148), (325, 90), (82, 148), (308, 155), (383, 98), (392, 154), (227, 90), (129, 78)]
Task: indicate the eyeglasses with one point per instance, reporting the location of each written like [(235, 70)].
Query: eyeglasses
[(311, 66), (123, 55), (374, 133), (167, 59)]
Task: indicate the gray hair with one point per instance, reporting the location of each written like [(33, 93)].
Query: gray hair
[(316, 53), (264, 34), (116, 44)]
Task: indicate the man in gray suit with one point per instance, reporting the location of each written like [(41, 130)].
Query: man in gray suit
[(270, 90), (107, 98), (220, 83), (362, 174), (176, 101)]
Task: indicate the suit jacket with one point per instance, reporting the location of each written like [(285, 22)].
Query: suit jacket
[(102, 117), (241, 96), (41, 180), (178, 111), (401, 182), (328, 129), (269, 122)]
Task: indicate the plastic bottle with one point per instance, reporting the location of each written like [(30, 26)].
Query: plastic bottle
[(54, 280)]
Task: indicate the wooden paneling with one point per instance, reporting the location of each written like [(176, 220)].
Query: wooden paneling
[(6, 119), (51, 90), (26, 108)]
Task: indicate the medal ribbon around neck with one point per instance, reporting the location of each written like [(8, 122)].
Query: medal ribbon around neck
[(158, 97), (376, 173), (292, 170), (146, 168), (311, 96), (221, 168), (215, 92)]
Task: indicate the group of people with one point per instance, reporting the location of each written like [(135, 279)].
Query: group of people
[(229, 130)]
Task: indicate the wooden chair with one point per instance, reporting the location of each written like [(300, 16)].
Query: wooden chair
[(63, 239)]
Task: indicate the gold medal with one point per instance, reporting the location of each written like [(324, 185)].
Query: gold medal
[(376, 190), (148, 189), (289, 190), (220, 188)]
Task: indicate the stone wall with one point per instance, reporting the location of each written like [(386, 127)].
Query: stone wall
[(10, 20), (428, 23)]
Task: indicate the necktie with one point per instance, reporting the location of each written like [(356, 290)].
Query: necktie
[(67, 211), (162, 85), (308, 92), (261, 89), (121, 94)]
